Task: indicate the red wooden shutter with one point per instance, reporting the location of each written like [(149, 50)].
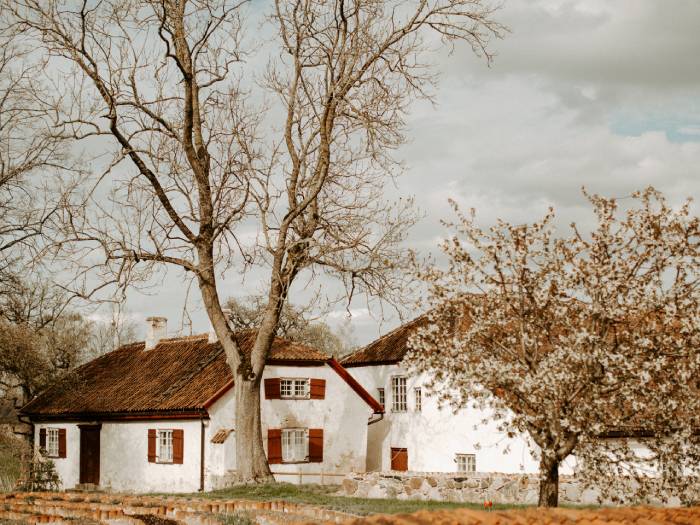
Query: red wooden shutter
[(318, 388), (316, 445), (272, 388), (178, 446), (274, 445), (61, 442), (151, 445), (42, 438)]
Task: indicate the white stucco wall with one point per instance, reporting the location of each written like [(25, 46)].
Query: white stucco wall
[(435, 435), (68, 468), (124, 465), (124, 462), (342, 415)]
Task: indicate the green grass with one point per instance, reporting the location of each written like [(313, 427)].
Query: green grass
[(322, 496)]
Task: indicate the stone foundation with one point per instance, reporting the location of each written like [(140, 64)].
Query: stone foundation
[(474, 487)]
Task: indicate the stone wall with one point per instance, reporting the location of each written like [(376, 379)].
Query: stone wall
[(474, 487)]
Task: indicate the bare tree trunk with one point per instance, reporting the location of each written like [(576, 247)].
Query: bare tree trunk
[(549, 483), (251, 462)]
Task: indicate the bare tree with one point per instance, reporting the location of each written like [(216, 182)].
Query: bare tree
[(196, 164), (294, 324), (31, 154), (571, 340)]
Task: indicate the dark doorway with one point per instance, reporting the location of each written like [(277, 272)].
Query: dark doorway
[(90, 454), (399, 458)]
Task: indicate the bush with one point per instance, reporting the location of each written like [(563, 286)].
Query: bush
[(11, 450)]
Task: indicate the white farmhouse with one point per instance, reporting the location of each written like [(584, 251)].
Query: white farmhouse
[(417, 434), (157, 416)]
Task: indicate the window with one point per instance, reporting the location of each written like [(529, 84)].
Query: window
[(165, 446), (419, 398), (294, 388), (52, 442), (466, 462), (295, 445), (398, 393), (380, 392)]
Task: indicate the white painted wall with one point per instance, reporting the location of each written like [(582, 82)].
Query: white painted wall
[(68, 468), (124, 462), (435, 435), (124, 465), (342, 415)]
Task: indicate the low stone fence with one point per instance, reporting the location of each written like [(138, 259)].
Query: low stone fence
[(475, 487)]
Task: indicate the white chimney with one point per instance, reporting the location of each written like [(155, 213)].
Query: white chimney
[(156, 329), (212, 334)]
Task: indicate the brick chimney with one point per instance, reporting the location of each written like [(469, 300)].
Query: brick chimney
[(156, 329)]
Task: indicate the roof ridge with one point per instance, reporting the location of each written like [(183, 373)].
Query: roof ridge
[(387, 335)]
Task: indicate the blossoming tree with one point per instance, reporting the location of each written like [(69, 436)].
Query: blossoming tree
[(588, 345)]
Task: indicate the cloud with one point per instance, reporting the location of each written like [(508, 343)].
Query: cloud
[(582, 93)]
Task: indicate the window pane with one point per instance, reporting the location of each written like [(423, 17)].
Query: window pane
[(286, 387), (52, 442), (295, 445), (165, 446), (419, 399), (466, 462), (301, 387), (398, 391)]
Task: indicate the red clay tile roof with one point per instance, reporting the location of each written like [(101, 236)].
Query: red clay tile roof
[(388, 349), (176, 376)]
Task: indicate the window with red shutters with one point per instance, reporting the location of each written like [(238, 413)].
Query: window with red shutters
[(274, 445), (316, 445), (272, 388), (151, 445), (318, 388), (178, 445), (61, 442)]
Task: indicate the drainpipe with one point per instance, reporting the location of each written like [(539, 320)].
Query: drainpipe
[(201, 454)]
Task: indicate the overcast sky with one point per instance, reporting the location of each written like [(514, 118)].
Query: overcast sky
[(603, 94)]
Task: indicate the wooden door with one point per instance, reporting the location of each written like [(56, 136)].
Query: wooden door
[(90, 454), (399, 458)]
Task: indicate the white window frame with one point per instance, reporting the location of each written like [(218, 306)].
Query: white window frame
[(399, 403), (295, 445), (164, 445), (418, 398), (295, 388), (465, 462), (382, 397), (52, 442)]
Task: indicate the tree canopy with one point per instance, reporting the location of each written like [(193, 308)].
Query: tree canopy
[(574, 340)]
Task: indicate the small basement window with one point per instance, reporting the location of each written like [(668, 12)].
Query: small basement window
[(295, 445), (165, 446), (466, 462), (52, 442), (294, 388)]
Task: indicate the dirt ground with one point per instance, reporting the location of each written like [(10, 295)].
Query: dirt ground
[(611, 516)]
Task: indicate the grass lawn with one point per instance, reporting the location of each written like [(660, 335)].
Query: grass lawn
[(322, 496)]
